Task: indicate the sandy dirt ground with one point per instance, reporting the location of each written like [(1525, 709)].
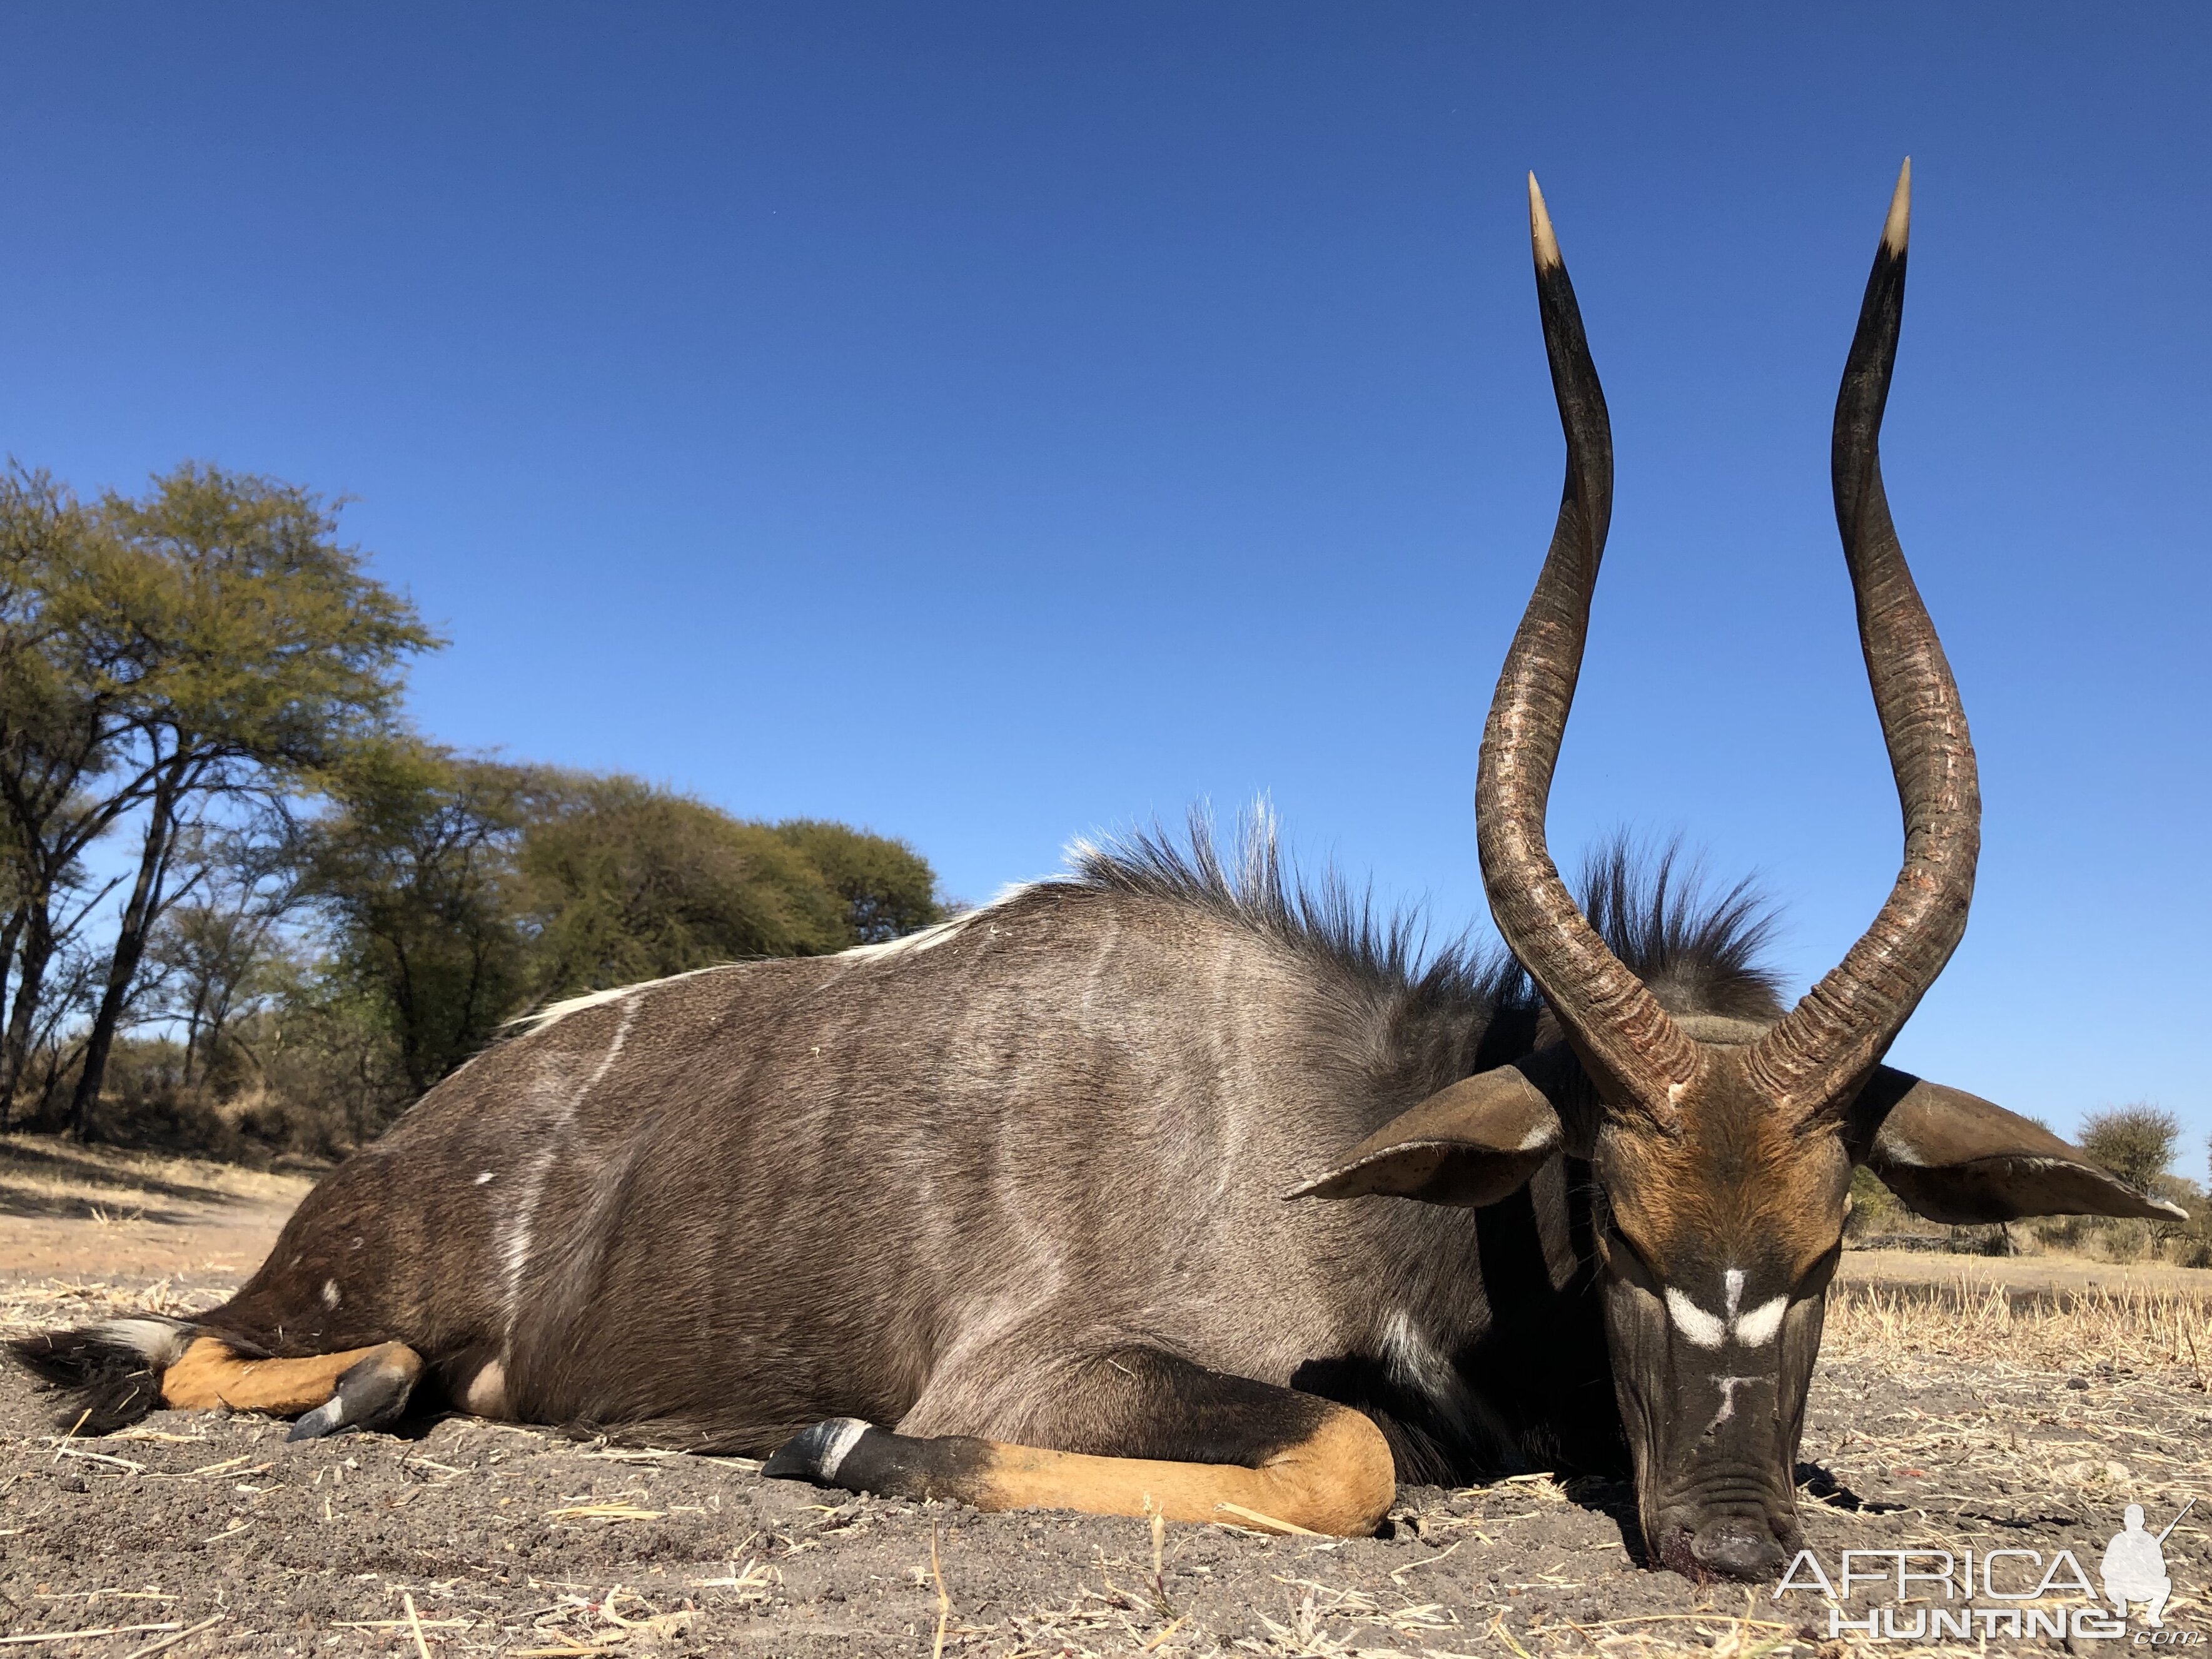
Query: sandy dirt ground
[(1956, 1422), (76, 1212)]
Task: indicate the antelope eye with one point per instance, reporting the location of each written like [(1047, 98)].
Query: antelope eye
[(1627, 1261), (1815, 1278)]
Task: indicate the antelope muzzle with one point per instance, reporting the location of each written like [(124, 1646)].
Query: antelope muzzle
[(1713, 1417)]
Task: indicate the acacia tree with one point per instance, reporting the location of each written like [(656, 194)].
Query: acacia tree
[(886, 886), (242, 649), (208, 959), (414, 871), (625, 881), (2136, 1143), (64, 706)]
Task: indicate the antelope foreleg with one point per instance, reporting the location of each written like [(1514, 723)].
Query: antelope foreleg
[(1339, 1479)]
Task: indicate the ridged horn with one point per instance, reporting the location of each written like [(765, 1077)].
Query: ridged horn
[(1635, 1052), (1814, 1058)]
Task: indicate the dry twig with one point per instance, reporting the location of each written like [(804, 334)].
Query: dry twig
[(943, 1601)]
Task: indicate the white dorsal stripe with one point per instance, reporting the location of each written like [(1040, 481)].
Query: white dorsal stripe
[(938, 933), (1734, 1280), (1695, 1324), (528, 1025), (1757, 1327)]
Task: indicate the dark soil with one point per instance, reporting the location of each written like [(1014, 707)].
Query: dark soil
[(516, 1541)]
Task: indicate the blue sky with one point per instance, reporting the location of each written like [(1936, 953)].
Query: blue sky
[(997, 424)]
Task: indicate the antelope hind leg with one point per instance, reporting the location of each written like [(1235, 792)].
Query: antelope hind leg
[(358, 1389), (1204, 1447)]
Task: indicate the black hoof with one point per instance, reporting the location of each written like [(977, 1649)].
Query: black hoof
[(816, 1454), (326, 1418), (371, 1394)]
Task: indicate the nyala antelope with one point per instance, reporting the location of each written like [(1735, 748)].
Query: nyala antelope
[(996, 1212)]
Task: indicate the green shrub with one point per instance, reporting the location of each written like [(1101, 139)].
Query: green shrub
[(2136, 1143)]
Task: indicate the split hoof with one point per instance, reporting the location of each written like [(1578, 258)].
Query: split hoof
[(369, 1394)]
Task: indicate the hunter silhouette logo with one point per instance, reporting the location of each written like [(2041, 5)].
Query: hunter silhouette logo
[(2134, 1567)]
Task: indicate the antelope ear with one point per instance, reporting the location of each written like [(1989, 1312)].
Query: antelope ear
[(1472, 1144), (1955, 1157)]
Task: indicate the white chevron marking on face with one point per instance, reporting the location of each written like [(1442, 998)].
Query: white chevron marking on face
[(1696, 1325), (1757, 1327), (1753, 1329)]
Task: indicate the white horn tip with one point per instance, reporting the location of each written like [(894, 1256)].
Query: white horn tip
[(1540, 229), (1899, 223)]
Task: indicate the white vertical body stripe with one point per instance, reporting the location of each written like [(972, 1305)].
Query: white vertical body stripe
[(522, 1220)]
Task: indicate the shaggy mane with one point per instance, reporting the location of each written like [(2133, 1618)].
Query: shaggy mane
[(1697, 951)]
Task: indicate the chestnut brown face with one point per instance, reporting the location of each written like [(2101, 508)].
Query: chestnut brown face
[(1717, 1238)]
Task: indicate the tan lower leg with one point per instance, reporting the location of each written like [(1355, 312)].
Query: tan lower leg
[(209, 1374), (1339, 1481)]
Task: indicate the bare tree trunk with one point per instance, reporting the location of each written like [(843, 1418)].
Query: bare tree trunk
[(411, 1060), (56, 1056), (192, 1035), (38, 946), (139, 915), (10, 937)]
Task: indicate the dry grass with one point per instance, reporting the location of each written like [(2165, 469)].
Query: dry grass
[(54, 1303), (2067, 1331), (47, 1175)]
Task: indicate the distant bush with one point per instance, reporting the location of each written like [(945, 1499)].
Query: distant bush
[(621, 880), (1876, 1211), (2136, 1143), (147, 1102)]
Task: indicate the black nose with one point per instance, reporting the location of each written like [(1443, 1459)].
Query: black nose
[(1737, 1546)]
